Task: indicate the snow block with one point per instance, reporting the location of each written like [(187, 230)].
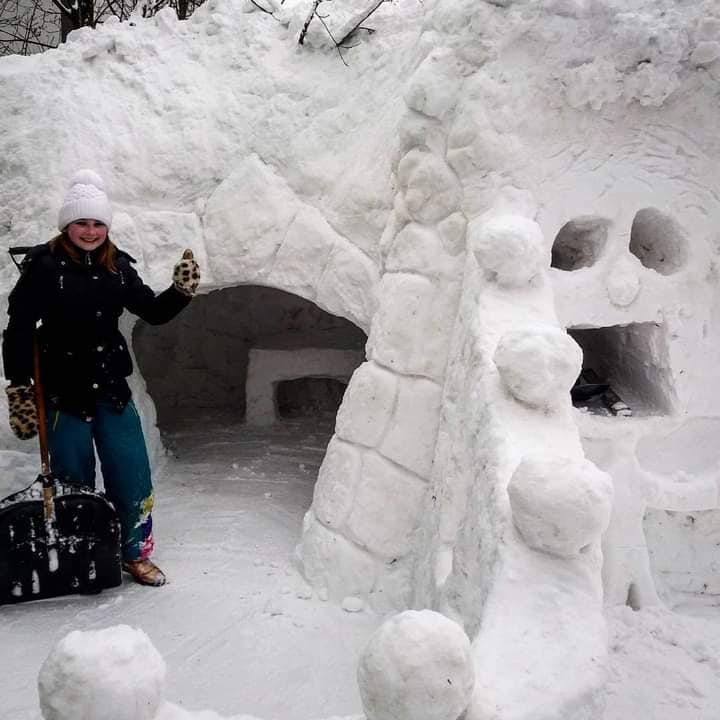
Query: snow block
[(125, 236), (452, 232), (411, 330), (560, 504), (336, 483), (347, 287), (165, 235), (510, 248), (430, 189), (416, 131), (416, 666), (304, 253), (246, 220), (386, 509), (419, 248), (434, 86), (410, 440), (331, 562), (367, 405), (114, 673), (538, 365)]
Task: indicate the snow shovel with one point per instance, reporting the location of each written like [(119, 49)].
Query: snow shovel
[(56, 537)]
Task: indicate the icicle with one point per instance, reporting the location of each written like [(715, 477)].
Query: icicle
[(35, 583), (53, 562), (92, 574)]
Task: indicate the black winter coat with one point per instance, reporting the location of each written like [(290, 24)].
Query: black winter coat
[(83, 356)]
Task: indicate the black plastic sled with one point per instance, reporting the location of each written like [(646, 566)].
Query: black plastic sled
[(76, 551)]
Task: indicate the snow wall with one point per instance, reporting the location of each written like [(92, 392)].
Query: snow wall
[(479, 177)]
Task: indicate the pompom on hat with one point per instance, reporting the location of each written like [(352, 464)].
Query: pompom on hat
[(86, 198)]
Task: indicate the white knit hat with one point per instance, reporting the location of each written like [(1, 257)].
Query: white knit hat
[(86, 199)]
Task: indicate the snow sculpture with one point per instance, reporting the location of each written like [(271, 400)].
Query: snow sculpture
[(110, 674), (559, 505), (432, 144), (538, 365), (417, 666)]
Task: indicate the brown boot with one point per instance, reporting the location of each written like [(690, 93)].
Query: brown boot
[(145, 572)]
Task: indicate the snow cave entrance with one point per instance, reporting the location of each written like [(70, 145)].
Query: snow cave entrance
[(625, 370), (258, 369)]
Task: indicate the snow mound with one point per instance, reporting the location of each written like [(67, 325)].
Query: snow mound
[(417, 666), (110, 674)]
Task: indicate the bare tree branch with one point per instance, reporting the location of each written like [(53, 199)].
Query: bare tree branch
[(303, 32), (354, 24), (260, 7), (368, 13)]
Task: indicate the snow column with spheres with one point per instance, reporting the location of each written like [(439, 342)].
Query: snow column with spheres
[(456, 478), (372, 489)]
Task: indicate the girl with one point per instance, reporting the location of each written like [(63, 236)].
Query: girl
[(78, 285)]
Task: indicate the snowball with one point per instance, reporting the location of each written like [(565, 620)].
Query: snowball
[(510, 248), (417, 666), (110, 674), (560, 504), (538, 365)]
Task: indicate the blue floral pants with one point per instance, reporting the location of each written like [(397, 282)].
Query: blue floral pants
[(120, 445)]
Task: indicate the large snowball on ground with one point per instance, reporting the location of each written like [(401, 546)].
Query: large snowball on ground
[(560, 504), (510, 248), (417, 666), (538, 365), (110, 674)]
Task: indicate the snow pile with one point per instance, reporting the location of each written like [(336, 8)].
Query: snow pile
[(110, 674), (417, 666)]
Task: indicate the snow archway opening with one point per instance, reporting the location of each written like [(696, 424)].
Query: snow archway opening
[(210, 361)]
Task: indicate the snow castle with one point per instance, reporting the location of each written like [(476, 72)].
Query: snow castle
[(498, 194)]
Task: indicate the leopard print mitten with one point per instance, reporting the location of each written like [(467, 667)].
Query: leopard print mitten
[(22, 410), (186, 275)]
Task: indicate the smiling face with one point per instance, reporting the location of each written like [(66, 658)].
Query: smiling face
[(87, 234)]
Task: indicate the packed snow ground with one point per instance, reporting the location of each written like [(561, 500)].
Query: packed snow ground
[(237, 626), (241, 632)]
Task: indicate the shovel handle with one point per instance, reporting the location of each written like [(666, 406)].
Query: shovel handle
[(40, 402)]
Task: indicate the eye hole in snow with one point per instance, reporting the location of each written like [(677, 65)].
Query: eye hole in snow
[(658, 241), (580, 243)]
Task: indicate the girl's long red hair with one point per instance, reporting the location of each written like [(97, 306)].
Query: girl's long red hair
[(104, 255)]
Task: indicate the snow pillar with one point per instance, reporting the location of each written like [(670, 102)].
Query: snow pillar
[(373, 485)]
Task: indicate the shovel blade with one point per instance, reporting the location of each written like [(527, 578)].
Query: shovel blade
[(81, 556)]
